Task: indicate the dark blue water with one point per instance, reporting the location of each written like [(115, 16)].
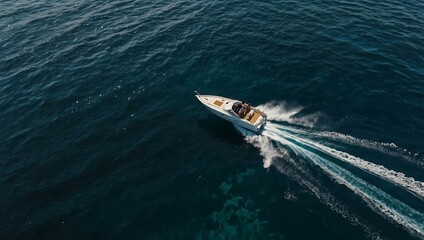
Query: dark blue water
[(102, 138)]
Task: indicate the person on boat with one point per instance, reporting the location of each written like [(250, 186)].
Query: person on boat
[(247, 109), (241, 108)]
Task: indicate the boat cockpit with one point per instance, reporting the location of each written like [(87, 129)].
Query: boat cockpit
[(241, 109)]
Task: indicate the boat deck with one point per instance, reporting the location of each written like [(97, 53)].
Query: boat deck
[(252, 119)]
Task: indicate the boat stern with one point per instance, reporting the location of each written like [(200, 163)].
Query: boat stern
[(260, 121)]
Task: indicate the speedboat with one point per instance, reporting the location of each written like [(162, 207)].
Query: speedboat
[(235, 111)]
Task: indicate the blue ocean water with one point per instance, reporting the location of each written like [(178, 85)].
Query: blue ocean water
[(102, 137)]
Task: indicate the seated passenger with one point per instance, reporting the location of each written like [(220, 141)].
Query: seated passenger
[(247, 108)]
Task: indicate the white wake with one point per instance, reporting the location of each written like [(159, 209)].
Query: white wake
[(278, 138), (392, 176), (283, 112)]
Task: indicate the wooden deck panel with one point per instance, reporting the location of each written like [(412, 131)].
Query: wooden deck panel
[(254, 118), (218, 103)]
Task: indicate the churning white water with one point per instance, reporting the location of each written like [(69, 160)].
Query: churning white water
[(279, 139)]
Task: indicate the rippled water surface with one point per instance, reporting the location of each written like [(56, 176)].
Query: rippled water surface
[(102, 138)]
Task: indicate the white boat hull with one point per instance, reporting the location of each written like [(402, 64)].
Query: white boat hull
[(222, 107)]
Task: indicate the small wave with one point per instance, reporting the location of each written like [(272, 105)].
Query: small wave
[(283, 112), (264, 144), (387, 148), (378, 200)]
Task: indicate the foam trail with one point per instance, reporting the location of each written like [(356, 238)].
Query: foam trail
[(376, 198), (281, 112), (267, 150), (293, 170), (286, 165), (394, 177), (387, 148)]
